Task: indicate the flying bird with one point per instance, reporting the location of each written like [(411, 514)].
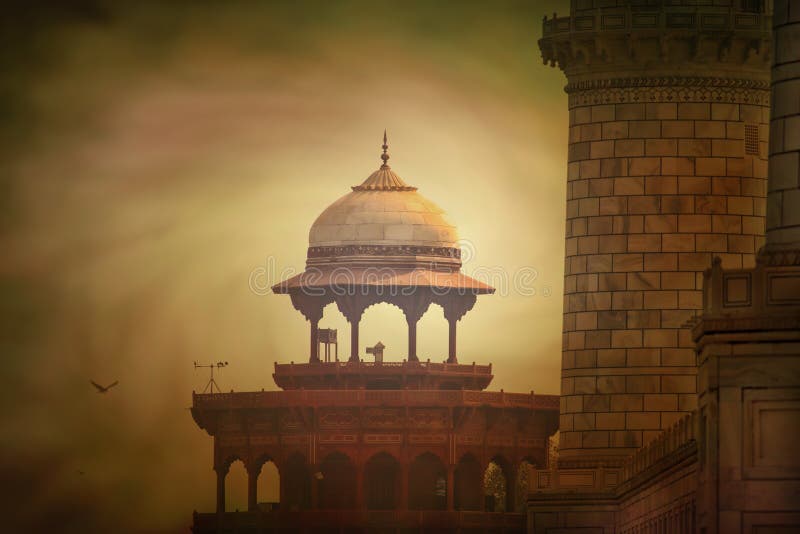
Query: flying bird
[(101, 389)]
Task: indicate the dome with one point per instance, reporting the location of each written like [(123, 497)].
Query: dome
[(383, 221)]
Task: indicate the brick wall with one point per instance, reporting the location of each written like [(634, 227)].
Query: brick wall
[(659, 182)]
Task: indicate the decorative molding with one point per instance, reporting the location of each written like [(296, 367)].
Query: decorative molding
[(642, 90), (776, 256), (667, 81), (383, 250)]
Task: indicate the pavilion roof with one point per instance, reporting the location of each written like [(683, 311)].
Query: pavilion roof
[(350, 277)]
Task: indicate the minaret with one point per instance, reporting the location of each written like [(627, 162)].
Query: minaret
[(668, 113)]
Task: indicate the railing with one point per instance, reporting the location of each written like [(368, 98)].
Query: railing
[(363, 397), (208, 522), (301, 369), (676, 437), (626, 18)]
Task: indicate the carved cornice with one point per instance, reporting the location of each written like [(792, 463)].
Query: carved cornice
[(671, 37), (666, 81), (776, 256), (753, 92)]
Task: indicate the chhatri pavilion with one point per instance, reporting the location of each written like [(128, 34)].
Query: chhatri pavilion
[(371, 445)]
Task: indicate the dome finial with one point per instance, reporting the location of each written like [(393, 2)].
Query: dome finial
[(385, 156)]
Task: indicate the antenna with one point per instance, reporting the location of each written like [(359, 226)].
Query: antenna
[(211, 382)]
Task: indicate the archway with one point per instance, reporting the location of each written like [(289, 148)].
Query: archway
[(295, 484), (427, 483), (236, 487), (333, 319), (432, 332), (468, 484), (338, 483), (381, 478), (268, 485), (386, 323), (497, 493), (523, 484)]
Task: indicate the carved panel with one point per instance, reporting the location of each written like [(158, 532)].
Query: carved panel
[(773, 415), (428, 418), (333, 418), (290, 422), (381, 439), (383, 417), (469, 439), (337, 438), (425, 439)]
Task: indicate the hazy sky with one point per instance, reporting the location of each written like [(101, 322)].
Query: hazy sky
[(155, 156)]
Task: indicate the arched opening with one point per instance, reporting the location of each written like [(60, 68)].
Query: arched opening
[(333, 319), (236, 487), (381, 478), (497, 493), (268, 486), (432, 335), (468, 484), (295, 484), (427, 483), (523, 484), (338, 482), (386, 323)]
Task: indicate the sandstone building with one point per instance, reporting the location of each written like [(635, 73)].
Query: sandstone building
[(674, 302), (379, 446)]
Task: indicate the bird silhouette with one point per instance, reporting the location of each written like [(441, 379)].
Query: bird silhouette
[(101, 389)]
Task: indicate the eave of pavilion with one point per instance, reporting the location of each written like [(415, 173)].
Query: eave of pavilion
[(207, 404)]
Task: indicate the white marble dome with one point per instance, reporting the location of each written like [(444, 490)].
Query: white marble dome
[(383, 216)]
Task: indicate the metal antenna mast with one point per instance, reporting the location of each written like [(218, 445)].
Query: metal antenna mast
[(211, 382)]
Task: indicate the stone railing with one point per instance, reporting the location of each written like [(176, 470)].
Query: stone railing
[(627, 18), (678, 436), (343, 367), (362, 397)]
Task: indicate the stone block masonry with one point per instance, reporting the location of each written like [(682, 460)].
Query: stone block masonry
[(667, 167)]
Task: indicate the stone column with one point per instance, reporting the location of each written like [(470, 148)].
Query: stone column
[(314, 340), (221, 473), (352, 307), (311, 306), (455, 306), (403, 497), (451, 345), (252, 489), (414, 307), (783, 217), (354, 339), (451, 471), (667, 166), (412, 340)]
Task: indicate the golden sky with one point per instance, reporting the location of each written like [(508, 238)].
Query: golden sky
[(154, 157)]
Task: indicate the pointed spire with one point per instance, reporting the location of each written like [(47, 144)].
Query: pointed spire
[(384, 179), (385, 156)]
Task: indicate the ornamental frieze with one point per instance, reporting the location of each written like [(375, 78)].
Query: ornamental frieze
[(680, 93), (383, 250), (382, 418), (337, 418), (430, 418), (383, 439)]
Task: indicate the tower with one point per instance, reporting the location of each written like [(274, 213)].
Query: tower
[(668, 114), (366, 444)]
